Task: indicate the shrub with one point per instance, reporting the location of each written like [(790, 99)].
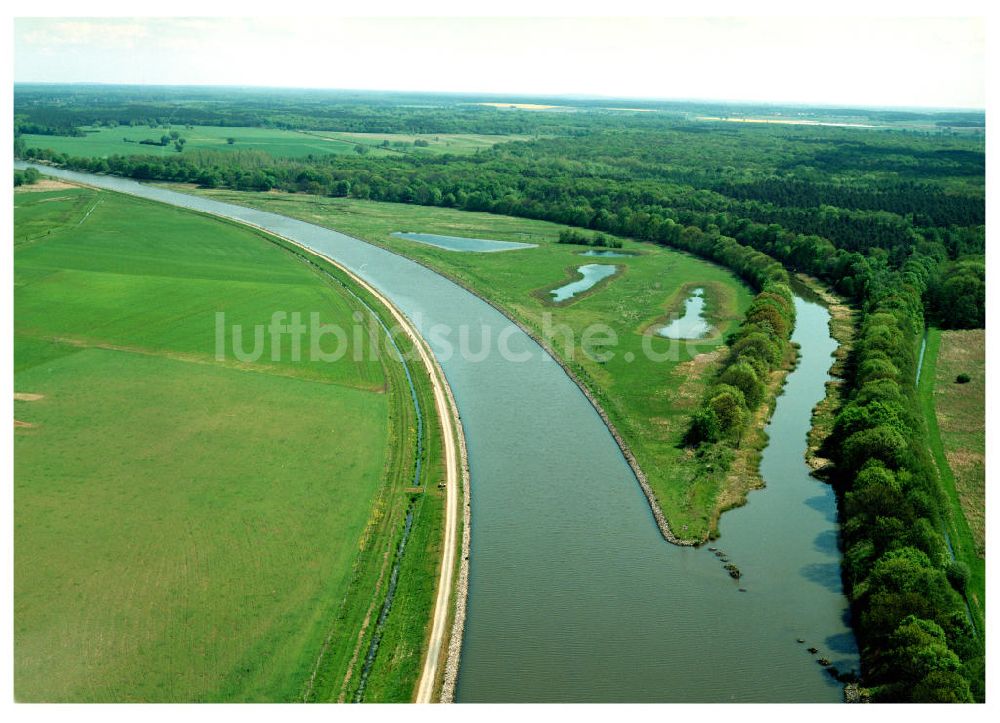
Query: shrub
[(958, 575), (704, 428), (882, 443), (729, 407), (743, 376)]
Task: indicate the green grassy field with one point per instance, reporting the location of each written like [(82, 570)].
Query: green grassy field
[(956, 421), (125, 141), (196, 529), (649, 401), (437, 143)]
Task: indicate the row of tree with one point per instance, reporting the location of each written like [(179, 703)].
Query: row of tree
[(607, 190), (758, 348), (579, 238), (911, 620)]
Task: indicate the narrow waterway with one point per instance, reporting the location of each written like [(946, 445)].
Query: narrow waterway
[(574, 595)]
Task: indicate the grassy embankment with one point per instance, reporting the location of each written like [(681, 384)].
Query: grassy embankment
[(648, 401), (125, 141), (956, 421), (188, 529)]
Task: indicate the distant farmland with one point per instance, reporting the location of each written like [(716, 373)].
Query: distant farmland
[(191, 529), (127, 140)]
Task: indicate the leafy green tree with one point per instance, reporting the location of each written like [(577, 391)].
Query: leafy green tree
[(743, 376), (729, 407), (942, 686), (759, 345), (705, 427), (920, 665), (882, 443), (958, 575)]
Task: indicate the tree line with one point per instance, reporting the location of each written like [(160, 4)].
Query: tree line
[(917, 641), (838, 244)]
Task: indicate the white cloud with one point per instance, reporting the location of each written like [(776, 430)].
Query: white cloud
[(86, 33), (885, 61)]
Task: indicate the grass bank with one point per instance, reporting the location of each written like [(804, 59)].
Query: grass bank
[(955, 418), (189, 528)]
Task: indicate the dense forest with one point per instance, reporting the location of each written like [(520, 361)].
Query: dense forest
[(63, 109), (892, 219)]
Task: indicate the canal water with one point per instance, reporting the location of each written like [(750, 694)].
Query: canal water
[(573, 593)]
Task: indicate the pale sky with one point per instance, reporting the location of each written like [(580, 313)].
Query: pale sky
[(866, 61)]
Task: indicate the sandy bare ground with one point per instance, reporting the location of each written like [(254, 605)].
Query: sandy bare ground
[(44, 184), (27, 397)]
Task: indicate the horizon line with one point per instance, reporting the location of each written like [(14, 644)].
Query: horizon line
[(513, 95)]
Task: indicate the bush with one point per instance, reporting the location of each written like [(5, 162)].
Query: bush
[(704, 428), (27, 177), (958, 575), (730, 408), (743, 376), (963, 378), (882, 443)]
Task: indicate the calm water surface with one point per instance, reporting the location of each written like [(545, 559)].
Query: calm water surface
[(574, 595), (590, 273), (604, 253), (692, 325), (460, 243)]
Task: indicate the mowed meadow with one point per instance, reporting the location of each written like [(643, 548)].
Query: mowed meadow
[(190, 528), (649, 398)]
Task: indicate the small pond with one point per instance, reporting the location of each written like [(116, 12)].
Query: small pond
[(460, 243), (592, 273), (693, 324), (607, 253)]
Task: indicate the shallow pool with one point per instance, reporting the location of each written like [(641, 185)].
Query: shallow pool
[(693, 324), (607, 254), (592, 273), (460, 243)]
